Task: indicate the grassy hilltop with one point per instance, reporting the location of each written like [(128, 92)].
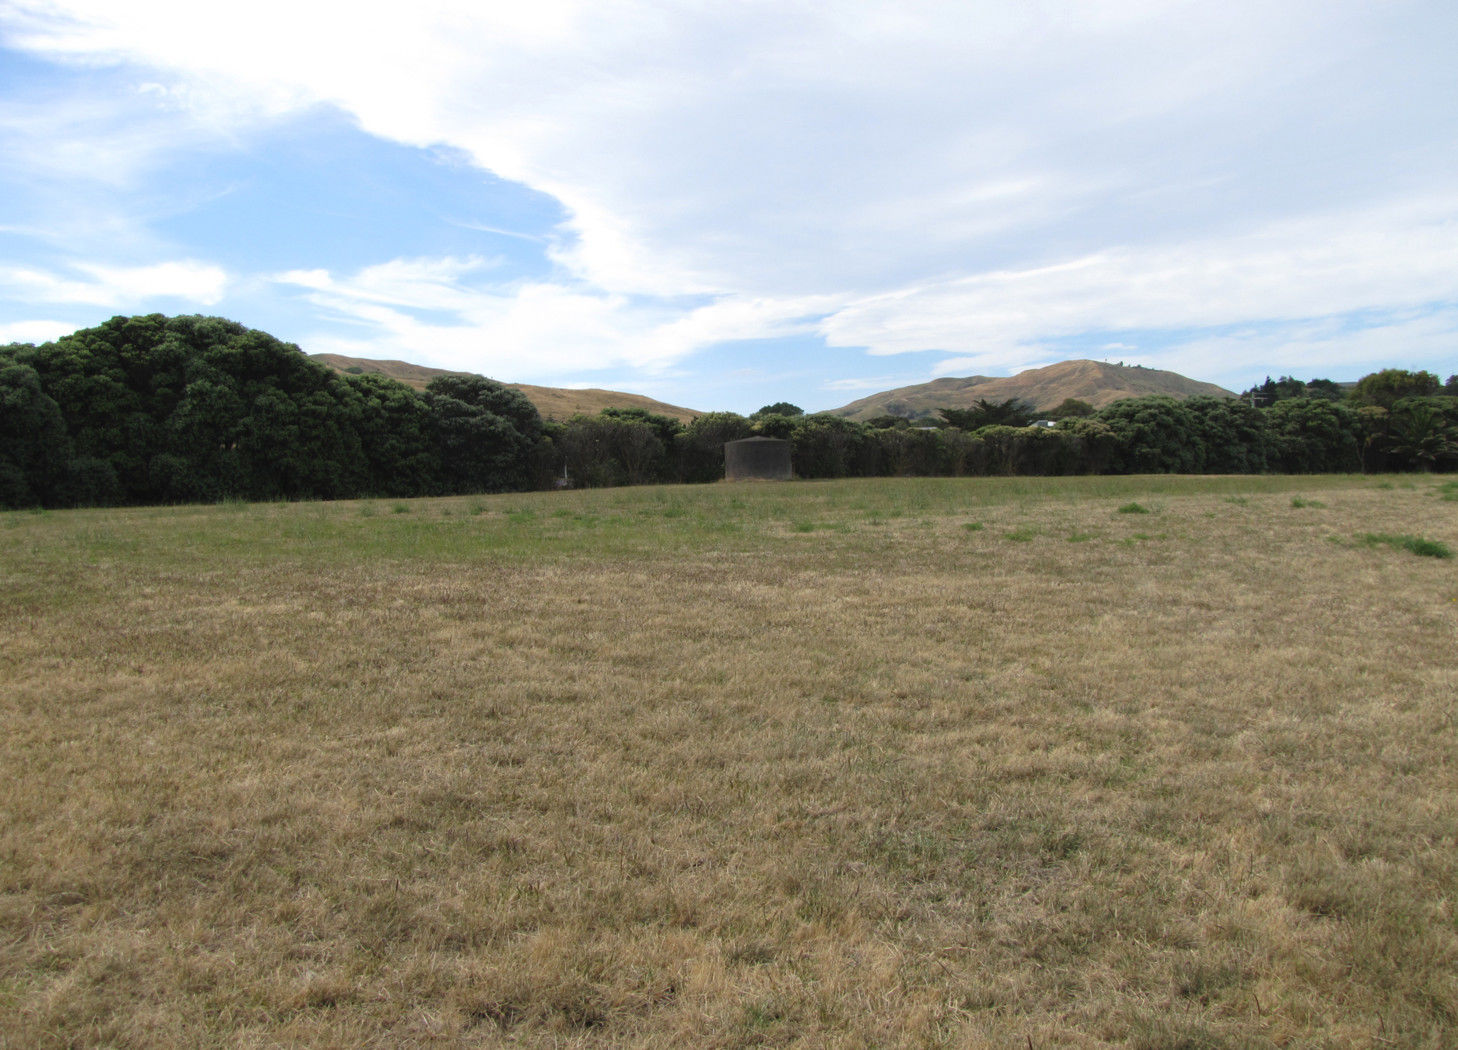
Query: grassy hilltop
[(1097, 383), (557, 403), (1154, 762)]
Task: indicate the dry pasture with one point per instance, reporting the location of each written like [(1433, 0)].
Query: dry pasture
[(943, 763)]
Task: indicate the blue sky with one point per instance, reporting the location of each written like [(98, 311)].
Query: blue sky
[(725, 205)]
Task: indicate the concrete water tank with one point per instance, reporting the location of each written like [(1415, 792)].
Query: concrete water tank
[(757, 458)]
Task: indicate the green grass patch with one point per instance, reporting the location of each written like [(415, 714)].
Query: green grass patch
[(974, 526), (1403, 541), (1301, 501), (1133, 508), (1022, 534)]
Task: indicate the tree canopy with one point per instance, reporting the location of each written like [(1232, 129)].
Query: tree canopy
[(165, 409), (1014, 412)]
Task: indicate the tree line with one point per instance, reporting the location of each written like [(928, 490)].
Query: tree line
[(1384, 424), (155, 409)]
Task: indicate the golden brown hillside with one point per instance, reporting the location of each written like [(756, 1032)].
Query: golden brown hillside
[(551, 402), (1097, 383), (417, 376)]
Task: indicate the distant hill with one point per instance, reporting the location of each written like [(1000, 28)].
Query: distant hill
[(1097, 383), (552, 402), (563, 403), (417, 376)]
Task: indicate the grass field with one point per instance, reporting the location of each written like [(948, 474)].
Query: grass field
[(992, 762)]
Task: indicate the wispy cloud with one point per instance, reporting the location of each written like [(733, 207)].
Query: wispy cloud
[(868, 383), (440, 309), (114, 286), (482, 228), (1398, 256), (1335, 347)]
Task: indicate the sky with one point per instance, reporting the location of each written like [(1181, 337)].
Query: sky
[(728, 203)]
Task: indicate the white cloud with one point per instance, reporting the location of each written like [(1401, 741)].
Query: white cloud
[(1402, 256), (1330, 348), (436, 310), (35, 331), (116, 286), (868, 383), (975, 176), (420, 284), (1006, 360)]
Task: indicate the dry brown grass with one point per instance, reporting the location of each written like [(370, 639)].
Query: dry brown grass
[(805, 764), (1096, 382), (558, 403)]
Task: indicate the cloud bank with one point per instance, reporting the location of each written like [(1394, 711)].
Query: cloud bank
[(1245, 185)]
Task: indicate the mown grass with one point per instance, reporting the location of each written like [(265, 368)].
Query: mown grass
[(664, 767)]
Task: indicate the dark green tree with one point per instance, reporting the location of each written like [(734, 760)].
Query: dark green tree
[(605, 450), (1156, 435), (491, 396), (35, 450), (1092, 445), (1026, 450), (1421, 436), (202, 408), (1233, 435), (829, 446), (1014, 412), (1070, 408), (1272, 391), (666, 427), (1324, 389), (1313, 435), (115, 384), (479, 451), (1374, 427), (907, 451), (1385, 388), (294, 436), (776, 426), (397, 437)]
